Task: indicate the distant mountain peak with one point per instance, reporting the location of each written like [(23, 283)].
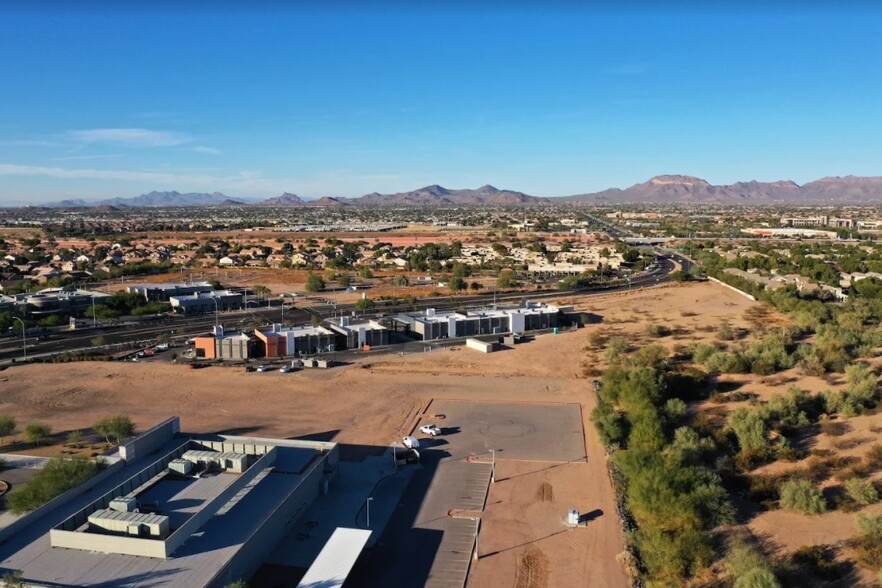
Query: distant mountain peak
[(440, 196), (681, 189), (667, 179), (286, 199)]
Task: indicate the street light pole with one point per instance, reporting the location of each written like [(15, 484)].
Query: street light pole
[(216, 311), (24, 345), (369, 500), (493, 466)]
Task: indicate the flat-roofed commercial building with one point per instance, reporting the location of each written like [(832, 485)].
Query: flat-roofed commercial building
[(357, 333), (61, 301), (281, 341), (451, 324), (163, 292), (205, 302), (207, 529), (226, 345)]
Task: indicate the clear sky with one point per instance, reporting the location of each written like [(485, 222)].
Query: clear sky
[(98, 102)]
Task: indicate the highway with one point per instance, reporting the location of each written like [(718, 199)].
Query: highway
[(120, 337)]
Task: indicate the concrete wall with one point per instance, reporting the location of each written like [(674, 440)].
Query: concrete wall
[(150, 440), (276, 524), (108, 543), (207, 346), (234, 348), (733, 288), (481, 346), (273, 345)]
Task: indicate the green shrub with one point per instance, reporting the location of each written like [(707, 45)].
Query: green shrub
[(812, 366), (725, 332), (675, 410), (803, 496), (610, 425), (727, 363), (702, 351), (757, 578), (36, 432), (868, 543), (616, 348), (862, 492), (7, 427), (750, 430), (118, 426), (56, 477), (655, 330), (749, 567)]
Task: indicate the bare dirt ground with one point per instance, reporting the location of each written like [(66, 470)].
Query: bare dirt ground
[(379, 398)]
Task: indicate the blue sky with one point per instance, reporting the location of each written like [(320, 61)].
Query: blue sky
[(102, 102)]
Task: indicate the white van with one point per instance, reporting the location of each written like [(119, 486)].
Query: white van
[(411, 442)]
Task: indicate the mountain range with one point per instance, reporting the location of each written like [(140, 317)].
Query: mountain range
[(663, 189)]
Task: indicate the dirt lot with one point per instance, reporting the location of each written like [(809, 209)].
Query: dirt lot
[(379, 398)]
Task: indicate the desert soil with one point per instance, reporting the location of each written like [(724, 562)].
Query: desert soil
[(378, 398)]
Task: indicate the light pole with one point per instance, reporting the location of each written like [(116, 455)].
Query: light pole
[(216, 311), (493, 466), (94, 316), (24, 345), (369, 500), (475, 555)]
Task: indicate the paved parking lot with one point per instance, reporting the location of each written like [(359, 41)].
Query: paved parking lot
[(525, 431)]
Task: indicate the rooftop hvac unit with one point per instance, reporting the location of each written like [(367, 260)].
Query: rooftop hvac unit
[(218, 331), (344, 321), (123, 504), (430, 312), (277, 327)]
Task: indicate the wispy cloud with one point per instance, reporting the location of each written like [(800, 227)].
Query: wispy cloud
[(85, 157), (207, 150), (28, 143), (9, 169), (132, 137), (339, 181)]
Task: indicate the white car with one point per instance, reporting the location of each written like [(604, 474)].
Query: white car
[(411, 442), (286, 369), (263, 368), (430, 430)]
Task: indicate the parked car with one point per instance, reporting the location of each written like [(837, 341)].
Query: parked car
[(430, 430), (411, 442), (263, 368), (249, 368), (286, 369)]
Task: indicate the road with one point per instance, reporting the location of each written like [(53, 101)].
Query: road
[(144, 333)]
